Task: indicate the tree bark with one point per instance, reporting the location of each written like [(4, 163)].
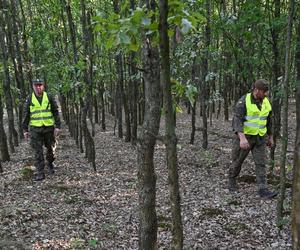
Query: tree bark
[(18, 66), (3, 139), (147, 140), (85, 104), (296, 180), (12, 133), (285, 112), (276, 72), (205, 86), (170, 137)]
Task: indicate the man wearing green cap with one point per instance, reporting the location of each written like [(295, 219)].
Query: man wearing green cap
[(252, 127), (42, 124)]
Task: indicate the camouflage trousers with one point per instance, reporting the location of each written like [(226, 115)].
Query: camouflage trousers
[(258, 150), (40, 137)]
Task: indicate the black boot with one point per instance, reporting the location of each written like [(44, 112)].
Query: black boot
[(232, 185), (51, 168), (265, 193), (39, 177)]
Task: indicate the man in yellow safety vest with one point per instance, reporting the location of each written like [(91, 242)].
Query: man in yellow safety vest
[(252, 127), (42, 124)]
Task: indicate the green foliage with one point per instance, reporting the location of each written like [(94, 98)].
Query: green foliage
[(191, 93), (282, 222), (236, 227), (93, 243), (125, 32), (109, 228), (77, 243), (26, 173)]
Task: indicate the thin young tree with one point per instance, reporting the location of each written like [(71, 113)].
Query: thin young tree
[(85, 104), (170, 136), (286, 83), (3, 139), (12, 133), (147, 138), (296, 180)]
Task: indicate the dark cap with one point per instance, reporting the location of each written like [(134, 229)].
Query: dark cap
[(38, 81), (261, 84)]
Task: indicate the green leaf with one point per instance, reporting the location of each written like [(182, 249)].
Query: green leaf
[(124, 38), (134, 47), (93, 242), (146, 21), (186, 26), (190, 93)]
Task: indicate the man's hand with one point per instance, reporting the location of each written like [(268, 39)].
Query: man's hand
[(270, 142), (244, 144), (56, 132), (26, 135)]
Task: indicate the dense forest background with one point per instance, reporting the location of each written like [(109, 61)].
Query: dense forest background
[(161, 76)]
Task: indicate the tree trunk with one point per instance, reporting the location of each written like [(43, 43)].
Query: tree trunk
[(285, 112), (296, 181), (126, 106), (12, 133), (205, 87), (276, 112), (147, 140), (18, 66), (170, 137), (87, 55), (3, 140), (75, 111), (133, 98)]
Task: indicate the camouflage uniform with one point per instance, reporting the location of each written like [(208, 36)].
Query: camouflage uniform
[(257, 145), (42, 136)]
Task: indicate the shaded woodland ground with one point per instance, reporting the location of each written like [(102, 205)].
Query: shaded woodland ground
[(80, 209)]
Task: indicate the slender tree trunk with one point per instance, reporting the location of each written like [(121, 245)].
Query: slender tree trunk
[(296, 181), (275, 84), (285, 112), (88, 139), (3, 140), (27, 59), (205, 87), (7, 84), (18, 65), (75, 112), (126, 106), (147, 140), (193, 122), (134, 99), (170, 137)]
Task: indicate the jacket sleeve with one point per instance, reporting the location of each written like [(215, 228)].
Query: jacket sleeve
[(269, 124), (239, 115), (26, 114), (54, 111)]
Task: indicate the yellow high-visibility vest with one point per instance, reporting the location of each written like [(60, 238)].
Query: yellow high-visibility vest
[(40, 114), (255, 119)]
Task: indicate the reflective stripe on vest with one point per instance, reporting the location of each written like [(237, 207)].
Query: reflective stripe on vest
[(255, 119), (40, 114)]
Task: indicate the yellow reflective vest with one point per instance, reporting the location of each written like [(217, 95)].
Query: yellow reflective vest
[(255, 119), (40, 114)]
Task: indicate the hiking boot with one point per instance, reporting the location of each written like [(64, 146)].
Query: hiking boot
[(51, 168), (265, 193), (39, 177), (232, 185)]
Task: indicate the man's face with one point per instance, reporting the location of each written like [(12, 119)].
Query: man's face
[(38, 89), (260, 94)]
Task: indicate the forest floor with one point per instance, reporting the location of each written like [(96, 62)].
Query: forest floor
[(78, 208)]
